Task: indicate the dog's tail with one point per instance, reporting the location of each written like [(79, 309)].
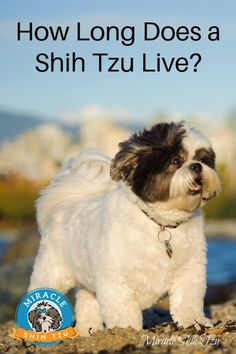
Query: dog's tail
[(83, 176)]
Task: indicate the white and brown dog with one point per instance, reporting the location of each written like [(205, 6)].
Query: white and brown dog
[(128, 230), (44, 317)]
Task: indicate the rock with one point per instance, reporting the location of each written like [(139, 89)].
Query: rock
[(14, 280), (224, 312), (24, 247)]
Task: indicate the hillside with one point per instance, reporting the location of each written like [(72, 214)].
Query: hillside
[(12, 124)]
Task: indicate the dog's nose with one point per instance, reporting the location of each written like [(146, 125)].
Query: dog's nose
[(44, 318), (196, 167)]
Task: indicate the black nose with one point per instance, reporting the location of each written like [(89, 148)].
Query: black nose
[(44, 318), (196, 167)]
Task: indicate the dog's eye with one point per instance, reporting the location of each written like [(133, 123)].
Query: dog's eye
[(177, 160)]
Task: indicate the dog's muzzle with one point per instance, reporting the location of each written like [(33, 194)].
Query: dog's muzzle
[(196, 188)]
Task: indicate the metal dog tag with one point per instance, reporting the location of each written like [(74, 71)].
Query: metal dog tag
[(164, 236), (169, 250)]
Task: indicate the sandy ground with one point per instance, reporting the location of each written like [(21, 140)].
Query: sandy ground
[(164, 338)]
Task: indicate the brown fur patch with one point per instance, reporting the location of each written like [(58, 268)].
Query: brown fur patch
[(206, 156)]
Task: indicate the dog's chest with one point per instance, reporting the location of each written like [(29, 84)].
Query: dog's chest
[(150, 270), (45, 327)]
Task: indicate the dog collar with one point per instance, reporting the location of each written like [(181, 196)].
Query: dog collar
[(164, 235), (170, 226)]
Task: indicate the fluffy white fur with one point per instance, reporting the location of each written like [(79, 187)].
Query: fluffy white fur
[(96, 238)]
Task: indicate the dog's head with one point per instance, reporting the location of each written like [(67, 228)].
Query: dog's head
[(170, 163), (44, 316)]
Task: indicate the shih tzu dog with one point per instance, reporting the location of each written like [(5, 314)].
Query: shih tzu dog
[(128, 230), (44, 318)]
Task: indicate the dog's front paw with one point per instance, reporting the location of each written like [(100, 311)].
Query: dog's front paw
[(204, 321), (196, 322)]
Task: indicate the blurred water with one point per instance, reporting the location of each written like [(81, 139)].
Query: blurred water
[(221, 268), (221, 261)]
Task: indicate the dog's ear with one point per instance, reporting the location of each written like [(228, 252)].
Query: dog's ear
[(31, 316), (54, 313), (126, 160), (122, 166)]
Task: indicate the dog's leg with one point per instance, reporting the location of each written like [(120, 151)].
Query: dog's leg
[(187, 294), (118, 306), (88, 316), (51, 269)]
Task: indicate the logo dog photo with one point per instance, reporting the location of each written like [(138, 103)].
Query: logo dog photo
[(44, 316), (117, 176)]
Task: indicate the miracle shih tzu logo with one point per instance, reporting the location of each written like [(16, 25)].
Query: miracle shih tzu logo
[(44, 316)]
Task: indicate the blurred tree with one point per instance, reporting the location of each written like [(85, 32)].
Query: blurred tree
[(224, 206), (17, 198)]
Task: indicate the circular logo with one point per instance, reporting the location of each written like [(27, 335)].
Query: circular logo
[(44, 316)]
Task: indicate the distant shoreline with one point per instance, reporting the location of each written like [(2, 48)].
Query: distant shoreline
[(221, 228)]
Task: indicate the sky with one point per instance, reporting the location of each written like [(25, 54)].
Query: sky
[(208, 93)]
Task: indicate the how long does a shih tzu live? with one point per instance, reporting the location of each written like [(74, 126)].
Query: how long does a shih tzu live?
[(127, 231)]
